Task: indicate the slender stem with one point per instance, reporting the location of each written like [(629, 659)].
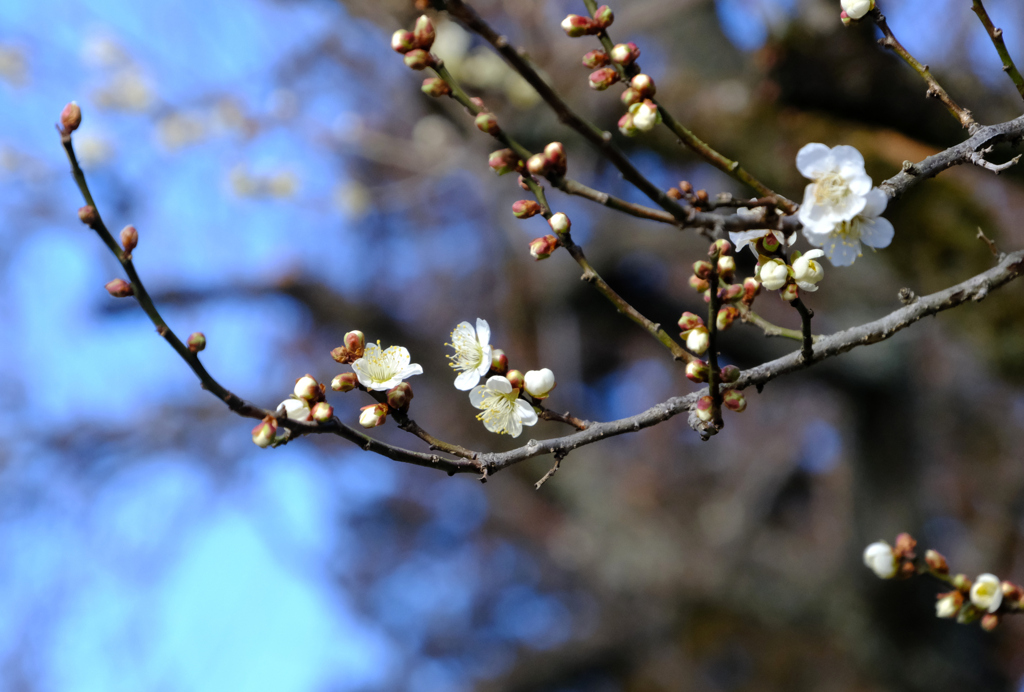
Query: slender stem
[(997, 39), (410, 426), (807, 347), (573, 187), (770, 329), (567, 418), (935, 90), (713, 376)]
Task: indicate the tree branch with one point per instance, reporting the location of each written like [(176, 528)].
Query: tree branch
[(997, 40)]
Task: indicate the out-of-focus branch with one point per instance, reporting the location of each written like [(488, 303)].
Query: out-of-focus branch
[(997, 39)]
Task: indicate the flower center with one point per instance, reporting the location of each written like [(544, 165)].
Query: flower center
[(831, 189), (847, 232), (383, 365), (469, 354), (498, 409)]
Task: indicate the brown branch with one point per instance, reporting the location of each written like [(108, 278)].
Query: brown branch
[(770, 329), (997, 40), (807, 339), (567, 418)]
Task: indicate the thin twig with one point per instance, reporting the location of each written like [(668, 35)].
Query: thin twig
[(807, 339), (554, 469), (567, 418), (997, 39), (770, 329), (978, 159), (990, 243)]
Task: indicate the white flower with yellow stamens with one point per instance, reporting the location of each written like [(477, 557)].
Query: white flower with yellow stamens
[(502, 409), (840, 187), (841, 242), (472, 353), (806, 272), (381, 370)]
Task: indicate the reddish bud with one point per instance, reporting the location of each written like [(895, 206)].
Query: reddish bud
[(503, 161), (685, 186), (726, 316), (627, 126), (690, 321), (726, 266), (603, 78), (630, 96), (697, 371), (541, 248), (424, 32), (989, 622), (560, 223), (264, 432), (418, 59), (88, 215), (729, 374), (643, 85), (595, 59), (119, 288), (129, 238), (702, 197), (769, 244), (399, 396), (516, 379), (790, 293), (720, 247), (704, 408), (702, 269), (525, 208), (70, 118), (345, 382), (403, 41), (936, 562), (674, 193), (196, 342), (734, 400), (322, 412), (904, 548), (355, 342), (554, 152), (698, 284), (575, 26), (499, 362), (487, 123), (730, 293), (537, 165), (603, 17), (751, 287), (436, 87), (625, 53)]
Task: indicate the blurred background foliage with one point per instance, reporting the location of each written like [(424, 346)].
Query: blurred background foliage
[(290, 182)]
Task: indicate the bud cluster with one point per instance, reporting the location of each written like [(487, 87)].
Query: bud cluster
[(552, 161), (415, 46), (575, 25), (353, 348)]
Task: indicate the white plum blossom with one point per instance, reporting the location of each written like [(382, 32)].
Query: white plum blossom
[(381, 370), (839, 188), (296, 409), (855, 9), (698, 340), (842, 242), (539, 383), (472, 353), (645, 115), (806, 272), (880, 559), (987, 592), (774, 274), (742, 239), (949, 604), (502, 409)]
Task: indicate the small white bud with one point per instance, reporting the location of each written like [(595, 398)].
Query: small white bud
[(645, 115), (880, 559), (539, 383), (987, 592), (296, 409), (559, 223), (698, 340), (774, 274), (855, 9), (307, 388)]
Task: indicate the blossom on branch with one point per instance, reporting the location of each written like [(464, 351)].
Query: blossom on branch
[(774, 274), (380, 370), (880, 559), (987, 593), (855, 9), (806, 272), (840, 186), (539, 383), (503, 411), (472, 353), (842, 242)]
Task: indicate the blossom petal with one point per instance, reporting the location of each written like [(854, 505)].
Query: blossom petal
[(841, 254), (526, 412), (466, 380), (846, 159), (811, 254), (859, 183), (499, 384), (361, 372), (876, 232), (805, 286), (476, 397), (402, 358), (485, 362), (408, 371), (514, 427), (849, 207), (877, 201), (483, 331), (742, 239), (813, 159)]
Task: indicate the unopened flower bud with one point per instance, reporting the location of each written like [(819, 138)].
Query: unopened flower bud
[(603, 17), (936, 562), (295, 409), (627, 127), (697, 371), (685, 186), (374, 415), (487, 123), (855, 9), (595, 59), (806, 272), (729, 374), (720, 248), (436, 87), (424, 32), (516, 379), (730, 293), (525, 208), (905, 544), (88, 215), (355, 342), (774, 274), (322, 412), (698, 284), (726, 316), (790, 293), (537, 165), (702, 269), (70, 118), (129, 238), (702, 197), (690, 321), (541, 248), (625, 53), (307, 388), (705, 408), (539, 383), (734, 400), (674, 193), (845, 19), (503, 161), (418, 59), (196, 342), (962, 582), (726, 266), (403, 41), (264, 432), (948, 604), (345, 382), (769, 243), (119, 288), (698, 340), (987, 593), (880, 559), (989, 622), (643, 85), (399, 396), (499, 362), (603, 78), (645, 115), (575, 26), (554, 152), (1012, 591), (630, 96), (560, 223), (751, 287)]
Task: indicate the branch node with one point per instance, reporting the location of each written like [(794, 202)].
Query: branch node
[(907, 296)]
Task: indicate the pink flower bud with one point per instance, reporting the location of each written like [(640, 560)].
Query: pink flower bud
[(603, 17), (436, 87), (424, 32), (702, 269), (554, 152), (88, 215), (70, 118), (790, 293), (307, 388), (499, 362), (720, 247), (196, 342), (769, 244), (989, 622), (705, 408), (575, 26), (119, 288), (627, 126), (726, 316), (355, 342), (560, 223), (488, 123), (643, 85), (503, 161), (419, 59), (399, 396), (516, 379), (129, 238), (698, 284), (323, 412), (751, 287), (603, 78), (403, 41), (630, 96), (345, 382), (690, 321), (595, 59), (541, 248), (537, 165), (729, 374), (523, 184), (734, 400), (731, 293), (374, 415), (625, 53), (936, 562), (697, 371), (264, 432), (525, 208)]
